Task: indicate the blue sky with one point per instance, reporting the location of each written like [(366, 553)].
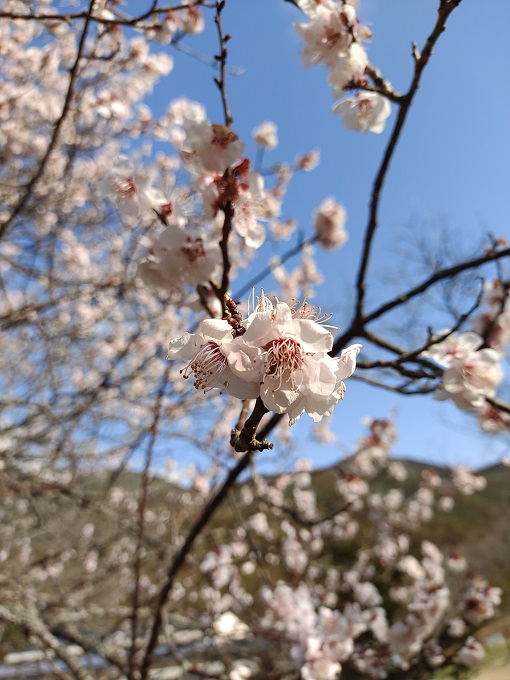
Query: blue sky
[(452, 165)]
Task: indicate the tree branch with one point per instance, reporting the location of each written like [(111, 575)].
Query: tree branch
[(444, 11)]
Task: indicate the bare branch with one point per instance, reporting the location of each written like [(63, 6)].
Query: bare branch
[(405, 104)]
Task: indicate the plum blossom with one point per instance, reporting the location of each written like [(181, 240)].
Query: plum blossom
[(480, 601), (471, 653), (244, 190), (209, 353), (365, 112), (313, 8), (320, 640), (164, 29), (177, 257), (453, 347), (265, 135), (493, 420), (334, 38), (469, 381), (494, 322), (282, 356), (456, 628), (308, 161), (297, 374), (466, 482), (212, 146), (191, 20), (130, 192), (248, 210), (329, 220), (471, 374), (348, 68), (240, 671), (326, 37), (456, 562)]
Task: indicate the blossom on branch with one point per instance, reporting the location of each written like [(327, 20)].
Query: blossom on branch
[(297, 374), (348, 68), (326, 37), (282, 357), (329, 221), (334, 38), (179, 257), (471, 653), (471, 374), (265, 136), (130, 192), (212, 146), (208, 352), (365, 112)]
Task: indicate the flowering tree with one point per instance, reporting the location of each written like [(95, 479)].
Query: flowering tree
[(126, 267)]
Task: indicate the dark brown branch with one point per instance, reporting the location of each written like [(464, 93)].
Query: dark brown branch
[(245, 439), (303, 521), (381, 85), (500, 405), (117, 21), (357, 328), (405, 103), (400, 389), (414, 355), (436, 277), (225, 255)]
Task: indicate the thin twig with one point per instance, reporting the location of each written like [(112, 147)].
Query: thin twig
[(119, 20), (269, 269), (222, 59)]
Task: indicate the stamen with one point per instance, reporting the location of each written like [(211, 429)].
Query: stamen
[(125, 186), (284, 358), (264, 304), (307, 311), (207, 367)]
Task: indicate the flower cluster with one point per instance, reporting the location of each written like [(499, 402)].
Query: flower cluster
[(333, 37), (265, 136), (178, 257), (130, 192), (281, 357), (221, 177), (471, 373), (472, 360), (320, 640), (344, 623), (224, 179)]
